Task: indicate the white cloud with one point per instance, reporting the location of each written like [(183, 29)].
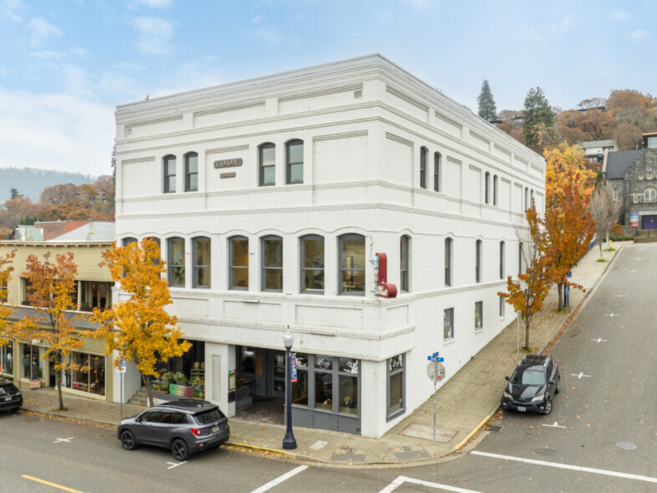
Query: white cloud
[(639, 34), (419, 4), (8, 9), (155, 34), (620, 15), (55, 131), (256, 19), (154, 4), (383, 17), (41, 29), (47, 55)]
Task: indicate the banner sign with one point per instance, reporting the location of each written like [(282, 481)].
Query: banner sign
[(180, 390), (384, 289), (634, 219), (293, 373)]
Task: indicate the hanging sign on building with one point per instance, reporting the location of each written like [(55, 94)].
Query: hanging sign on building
[(384, 289), (228, 163), (634, 219)]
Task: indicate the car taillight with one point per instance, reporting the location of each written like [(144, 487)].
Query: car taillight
[(196, 431)]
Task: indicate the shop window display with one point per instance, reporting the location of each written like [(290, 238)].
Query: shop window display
[(91, 375), (32, 362), (7, 359)]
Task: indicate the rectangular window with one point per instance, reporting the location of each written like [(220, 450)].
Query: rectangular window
[(202, 263), (324, 382), (90, 377), (479, 315), (436, 172), (267, 165), (403, 263), (169, 174), (423, 168), (7, 359), (448, 324), (478, 261), (502, 306), (396, 385), (239, 263), (520, 255), (295, 162), (4, 294), (352, 265), (191, 172), (272, 264), (176, 267), (448, 262), (300, 388), (502, 260), (312, 264), (33, 362), (95, 295), (26, 291)]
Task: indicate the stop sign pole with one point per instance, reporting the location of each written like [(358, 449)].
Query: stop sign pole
[(436, 372)]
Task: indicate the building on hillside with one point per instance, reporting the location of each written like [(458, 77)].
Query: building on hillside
[(23, 361), (595, 150), (650, 140), (271, 198)]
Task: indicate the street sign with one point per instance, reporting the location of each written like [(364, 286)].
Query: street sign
[(122, 366), (435, 357), (436, 371)]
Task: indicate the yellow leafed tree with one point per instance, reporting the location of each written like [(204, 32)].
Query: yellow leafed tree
[(139, 329), (567, 169), (5, 311)]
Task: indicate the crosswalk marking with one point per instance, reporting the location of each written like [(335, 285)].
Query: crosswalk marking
[(403, 479), (280, 479)]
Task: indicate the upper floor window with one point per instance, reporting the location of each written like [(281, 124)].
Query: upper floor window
[(436, 172), (495, 190), (502, 259), (191, 172), (478, 261), (312, 264), (294, 157), (239, 263), (486, 187), (615, 194), (448, 261), (95, 295), (352, 264), (479, 315), (531, 198), (272, 263), (423, 167), (176, 262), (404, 247), (650, 195), (129, 241), (649, 175), (267, 160), (4, 296), (520, 255), (527, 205), (640, 176), (202, 263), (169, 174)]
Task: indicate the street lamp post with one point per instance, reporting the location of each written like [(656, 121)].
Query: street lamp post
[(289, 442)]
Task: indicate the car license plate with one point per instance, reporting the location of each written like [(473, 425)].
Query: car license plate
[(523, 409), (8, 398), (216, 429)]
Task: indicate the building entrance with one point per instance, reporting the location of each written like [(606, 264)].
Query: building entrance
[(649, 222), (260, 384)]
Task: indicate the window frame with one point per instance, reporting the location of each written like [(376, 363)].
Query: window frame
[(302, 267), (341, 238), (521, 254), (129, 240), (165, 169), (196, 267), (451, 321), (261, 166), (478, 251), (651, 195), (436, 171), (502, 259), (487, 187), (170, 266), (495, 180), (449, 254), (480, 305), (393, 373), (502, 307), (188, 174), (423, 167), (404, 272), (84, 286), (288, 164), (264, 269), (4, 288), (231, 267)]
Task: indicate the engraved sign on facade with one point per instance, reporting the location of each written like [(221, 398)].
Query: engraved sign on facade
[(227, 175), (228, 163)]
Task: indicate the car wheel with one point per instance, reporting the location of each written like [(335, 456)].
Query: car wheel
[(548, 406), (180, 450), (558, 386), (128, 440)]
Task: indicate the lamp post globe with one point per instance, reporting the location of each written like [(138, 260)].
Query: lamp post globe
[(289, 442)]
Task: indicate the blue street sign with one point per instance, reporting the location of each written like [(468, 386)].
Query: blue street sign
[(435, 357)]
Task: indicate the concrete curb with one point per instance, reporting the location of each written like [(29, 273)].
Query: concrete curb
[(62, 417)]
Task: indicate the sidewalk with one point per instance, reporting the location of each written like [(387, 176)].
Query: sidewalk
[(464, 403)]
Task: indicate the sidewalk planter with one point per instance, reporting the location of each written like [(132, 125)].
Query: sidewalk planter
[(35, 384)]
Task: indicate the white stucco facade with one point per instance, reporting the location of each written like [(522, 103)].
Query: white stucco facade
[(363, 123)]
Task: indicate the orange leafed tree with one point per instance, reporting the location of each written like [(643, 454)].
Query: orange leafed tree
[(527, 294), (139, 329), (52, 292), (567, 168), (5, 276), (570, 229)]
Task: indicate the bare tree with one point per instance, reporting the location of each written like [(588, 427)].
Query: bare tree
[(605, 211)]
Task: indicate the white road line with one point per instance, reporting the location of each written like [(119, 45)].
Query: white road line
[(580, 375), (280, 479), (403, 479), (599, 340), (612, 315), (568, 466), (67, 440), (175, 464), (555, 425)]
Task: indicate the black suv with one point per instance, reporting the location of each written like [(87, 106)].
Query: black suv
[(185, 427), (11, 398), (533, 385)]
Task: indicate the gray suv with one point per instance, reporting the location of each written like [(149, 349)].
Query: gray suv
[(185, 427)]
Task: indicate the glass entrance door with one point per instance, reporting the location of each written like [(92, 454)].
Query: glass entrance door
[(279, 374)]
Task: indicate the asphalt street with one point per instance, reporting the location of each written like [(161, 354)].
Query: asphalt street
[(606, 359)]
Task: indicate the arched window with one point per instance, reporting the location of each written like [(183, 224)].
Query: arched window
[(294, 159), (352, 264), (267, 163), (129, 241), (191, 172), (478, 261), (502, 259), (404, 247), (423, 167), (486, 186), (436, 172), (239, 262), (650, 195), (520, 255), (527, 205), (272, 263), (312, 264), (202, 263), (448, 262), (176, 262), (495, 190), (169, 167), (531, 198)]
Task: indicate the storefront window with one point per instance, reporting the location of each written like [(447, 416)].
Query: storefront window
[(300, 387), (247, 361), (348, 394), (324, 362), (324, 391), (32, 362), (396, 396), (7, 359), (92, 378)]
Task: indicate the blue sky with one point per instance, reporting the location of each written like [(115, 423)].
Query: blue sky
[(66, 64)]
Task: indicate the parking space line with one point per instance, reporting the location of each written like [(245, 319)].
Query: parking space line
[(580, 375), (591, 470), (403, 479), (280, 479), (48, 483)]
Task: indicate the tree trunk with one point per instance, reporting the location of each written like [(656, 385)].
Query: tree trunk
[(58, 376), (527, 335), (559, 290), (600, 245), (149, 389)]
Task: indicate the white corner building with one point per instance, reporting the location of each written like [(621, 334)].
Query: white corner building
[(270, 198)]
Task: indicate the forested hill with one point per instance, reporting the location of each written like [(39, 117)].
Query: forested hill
[(30, 182)]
